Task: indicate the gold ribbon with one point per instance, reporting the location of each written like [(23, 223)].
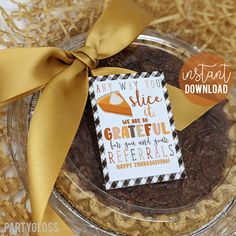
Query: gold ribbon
[(64, 77)]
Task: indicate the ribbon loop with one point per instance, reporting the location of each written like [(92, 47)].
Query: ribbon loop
[(88, 56)]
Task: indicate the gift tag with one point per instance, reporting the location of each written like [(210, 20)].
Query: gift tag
[(136, 135)]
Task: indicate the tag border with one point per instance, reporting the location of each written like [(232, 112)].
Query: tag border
[(143, 180)]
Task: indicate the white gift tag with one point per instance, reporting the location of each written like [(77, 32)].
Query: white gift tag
[(135, 129)]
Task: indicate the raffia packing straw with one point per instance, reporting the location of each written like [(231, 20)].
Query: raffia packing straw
[(63, 76)]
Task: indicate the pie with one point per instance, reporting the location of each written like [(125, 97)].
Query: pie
[(114, 103), (168, 208)]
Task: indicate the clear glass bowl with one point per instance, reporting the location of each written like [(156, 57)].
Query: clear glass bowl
[(78, 200)]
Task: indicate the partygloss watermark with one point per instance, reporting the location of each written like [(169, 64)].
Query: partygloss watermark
[(16, 228)]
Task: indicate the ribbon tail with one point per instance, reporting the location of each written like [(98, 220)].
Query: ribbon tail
[(185, 112), (53, 127)]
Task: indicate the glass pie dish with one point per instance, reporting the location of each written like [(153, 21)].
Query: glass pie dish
[(179, 207)]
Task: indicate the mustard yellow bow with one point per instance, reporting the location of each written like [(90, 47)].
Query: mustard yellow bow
[(64, 77)]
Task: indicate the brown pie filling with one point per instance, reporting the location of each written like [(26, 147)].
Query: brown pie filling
[(204, 143)]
